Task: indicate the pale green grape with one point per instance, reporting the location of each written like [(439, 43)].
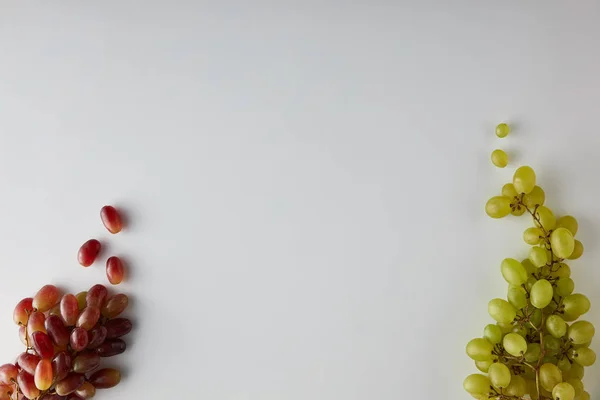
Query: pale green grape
[(583, 356), (506, 327), (530, 282), (581, 332), (517, 386), (576, 371), (551, 344), (584, 396), (514, 344), (499, 375), (562, 242), (550, 376), (520, 330), (517, 296), (546, 218), (502, 130), (498, 207), (524, 179), (565, 286), (477, 384), (577, 250), (541, 293), (576, 305), (556, 326), (492, 333), (484, 366), (536, 317), (563, 271), (499, 158), (533, 236), (578, 346), (533, 352), (563, 391), (501, 311), (480, 349), (569, 222), (564, 364), (536, 197), (529, 267), (513, 271), (577, 385), (509, 191), (538, 256)]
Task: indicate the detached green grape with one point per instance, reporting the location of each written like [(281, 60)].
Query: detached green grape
[(524, 179), (513, 272), (538, 256), (502, 130), (563, 391), (577, 250), (581, 332), (480, 349), (536, 197), (492, 333), (477, 384), (541, 293), (501, 311), (533, 236), (550, 376), (498, 207), (584, 356), (556, 326), (569, 222), (514, 344), (546, 218), (562, 242), (499, 375), (499, 158)]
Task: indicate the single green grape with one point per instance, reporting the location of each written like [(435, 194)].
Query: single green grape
[(581, 332), (502, 130), (484, 366), (569, 222), (584, 356), (536, 317), (509, 191), (576, 304), (577, 385), (501, 311), (577, 250), (529, 267), (541, 293), (563, 364), (576, 371), (480, 349), (477, 384), (520, 330), (538, 256), (513, 271), (499, 158), (551, 344), (550, 376), (492, 333), (536, 197), (556, 326), (505, 327), (584, 396), (564, 286), (524, 179), (533, 236), (499, 375), (546, 218), (562, 242), (563, 391), (533, 352), (563, 271), (517, 386), (578, 346), (514, 344), (517, 296), (498, 207)]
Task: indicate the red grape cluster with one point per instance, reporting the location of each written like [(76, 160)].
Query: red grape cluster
[(67, 335)]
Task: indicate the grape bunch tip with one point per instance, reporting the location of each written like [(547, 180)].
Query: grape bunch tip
[(538, 347)]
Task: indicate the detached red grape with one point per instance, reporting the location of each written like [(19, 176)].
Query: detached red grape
[(111, 219), (88, 252), (115, 271)]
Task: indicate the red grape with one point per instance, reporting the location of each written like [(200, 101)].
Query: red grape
[(28, 362), (105, 378), (36, 323), (111, 219), (6, 390), (46, 298), (57, 330), (70, 384), (86, 362), (55, 310), (22, 311), (27, 385), (88, 252), (43, 375), (97, 336), (81, 300), (88, 318), (79, 339), (115, 271), (111, 347), (86, 391), (42, 344), (8, 373), (61, 365), (117, 327), (69, 309), (23, 334), (115, 306), (96, 296)]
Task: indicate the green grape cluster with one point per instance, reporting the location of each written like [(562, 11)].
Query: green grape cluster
[(538, 347)]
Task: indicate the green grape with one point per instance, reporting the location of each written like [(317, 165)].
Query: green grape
[(517, 210), (530, 282), (584, 396), (569, 222), (551, 308), (577, 385), (538, 256), (502, 130), (528, 266), (505, 327), (517, 386), (565, 286), (581, 332), (576, 304), (556, 326), (533, 236), (541, 293), (499, 158), (583, 356), (578, 346), (563, 391), (499, 375), (536, 197), (498, 207), (577, 250), (550, 376), (563, 271), (492, 333), (524, 179), (563, 364), (551, 344), (533, 352), (513, 272), (576, 371), (509, 191), (514, 344), (484, 366), (517, 296), (546, 218), (520, 330), (477, 384), (536, 317), (501, 311), (480, 349), (562, 242)]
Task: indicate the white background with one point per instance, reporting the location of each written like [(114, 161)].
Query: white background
[(305, 183)]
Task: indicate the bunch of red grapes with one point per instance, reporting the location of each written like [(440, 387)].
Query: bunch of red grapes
[(67, 335)]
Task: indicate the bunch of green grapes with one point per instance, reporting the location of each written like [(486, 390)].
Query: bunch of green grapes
[(537, 348)]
